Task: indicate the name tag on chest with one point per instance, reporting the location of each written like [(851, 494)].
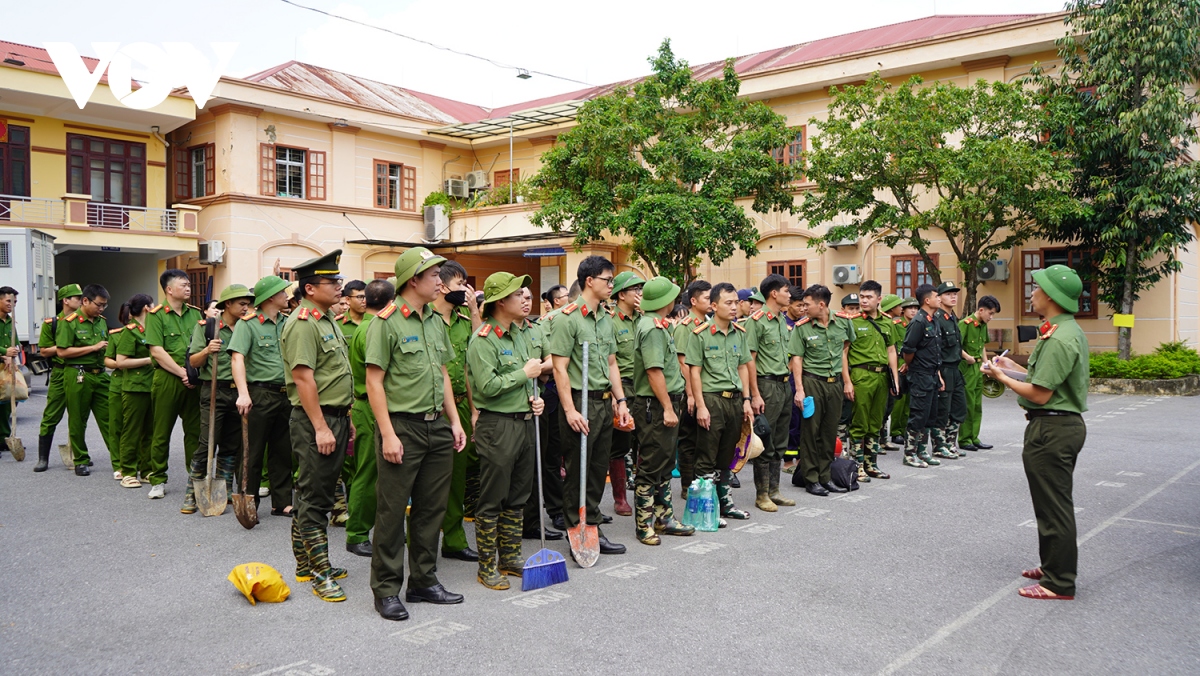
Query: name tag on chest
[(410, 339)]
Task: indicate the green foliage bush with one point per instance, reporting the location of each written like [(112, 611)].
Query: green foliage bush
[(1169, 360)]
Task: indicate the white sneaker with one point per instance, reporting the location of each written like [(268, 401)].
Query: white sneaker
[(117, 476), (158, 491), (264, 492)]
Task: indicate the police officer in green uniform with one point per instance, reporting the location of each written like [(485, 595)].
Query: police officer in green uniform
[(503, 365), (455, 304), (657, 409), (889, 308), (355, 294), (11, 350), (234, 303), (586, 321), (137, 373), (902, 315), (974, 332), (71, 297), (872, 359), (719, 361), (81, 339), (767, 334), (952, 401), (698, 308), (116, 408), (816, 349), (627, 291), (360, 517), (320, 389), (168, 332), (410, 393), (256, 363), (922, 352), (1053, 393)]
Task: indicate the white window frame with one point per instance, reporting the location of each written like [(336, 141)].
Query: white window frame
[(284, 161)]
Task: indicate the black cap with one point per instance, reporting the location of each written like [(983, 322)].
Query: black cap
[(850, 299), (321, 266), (946, 287)]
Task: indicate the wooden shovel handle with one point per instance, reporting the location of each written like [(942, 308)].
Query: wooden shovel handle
[(245, 451)]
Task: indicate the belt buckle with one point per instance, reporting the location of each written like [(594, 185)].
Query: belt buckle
[(527, 416), (830, 379), (431, 416)]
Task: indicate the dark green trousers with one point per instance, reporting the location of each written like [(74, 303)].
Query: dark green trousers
[(116, 421), (268, 436), (1052, 445), (84, 398), (424, 476), (715, 445), (361, 502), (135, 438), (227, 428), (818, 434), (599, 448), (318, 474), (505, 448), (6, 419), (952, 401), (56, 402), (777, 398), (656, 441), (687, 448), (454, 538), (870, 402), (172, 400), (922, 400)]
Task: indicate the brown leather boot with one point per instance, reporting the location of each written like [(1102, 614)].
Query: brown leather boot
[(616, 476)]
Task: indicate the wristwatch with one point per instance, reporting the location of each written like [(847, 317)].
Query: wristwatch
[(622, 400)]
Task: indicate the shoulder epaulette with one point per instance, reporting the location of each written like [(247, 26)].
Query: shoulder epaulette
[(250, 315), (193, 307), (805, 320), (131, 325), (1049, 332), (202, 321), (484, 330), (898, 320), (700, 328), (156, 308), (662, 323), (116, 330), (386, 312), (302, 313), (844, 314), (48, 320), (570, 308), (757, 315), (739, 327), (70, 317)]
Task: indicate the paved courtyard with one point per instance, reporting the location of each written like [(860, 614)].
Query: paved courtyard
[(916, 575)]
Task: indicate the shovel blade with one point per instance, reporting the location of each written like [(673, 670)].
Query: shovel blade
[(68, 457), (244, 509), (211, 496), (16, 447), (585, 541)]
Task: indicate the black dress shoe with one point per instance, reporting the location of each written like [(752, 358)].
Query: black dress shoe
[(604, 518), (898, 440), (364, 549), (467, 554), (82, 470), (435, 594), (833, 488), (391, 609), (968, 447), (983, 447), (534, 535), (559, 522), (817, 489), (90, 463), (733, 481), (607, 547)]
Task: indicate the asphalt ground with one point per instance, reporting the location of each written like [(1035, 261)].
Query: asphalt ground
[(916, 575)]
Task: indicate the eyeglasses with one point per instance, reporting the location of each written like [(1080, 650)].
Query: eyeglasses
[(99, 305), (357, 297), (606, 280)]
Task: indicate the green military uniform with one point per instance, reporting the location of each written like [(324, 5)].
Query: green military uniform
[(360, 498), (767, 334), (56, 393), (682, 333), (466, 463), (340, 514), (226, 421), (501, 390), (136, 414), (718, 354), (552, 450), (869, 368), (923, 340), (348, 325), (86, 382), (412, 347), (171, 398), (654, 349), (624, 444), (578, 324), (311, 340), (952, 401), (974, 341), (6, 341), (820, 349), (116, 407)]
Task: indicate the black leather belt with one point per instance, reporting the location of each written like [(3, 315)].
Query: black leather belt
[(729, 394), (418, 417), (627, 382), (222, 384), (331, 411), (528, 415), (828, 379), (868, 367), (778, 379), (275, 387), (605, 394), (1032, 413)]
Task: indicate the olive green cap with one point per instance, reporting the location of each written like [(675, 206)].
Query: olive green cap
[(321, 266), (1062, 284), (499, 285), (757, 295), (69, 291), (909, 302), (267, 287), (947, 287), (413, 262), (658, 293), (889, 302), (234, 291), (626, 280)]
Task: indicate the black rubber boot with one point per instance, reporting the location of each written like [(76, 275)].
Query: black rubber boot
[(44, 444)]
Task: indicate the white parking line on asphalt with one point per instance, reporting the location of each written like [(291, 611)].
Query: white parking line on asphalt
[(279, 669), (418, 626), (1160, 523)]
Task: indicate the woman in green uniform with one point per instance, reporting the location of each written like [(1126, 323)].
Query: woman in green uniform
[(137, 372)]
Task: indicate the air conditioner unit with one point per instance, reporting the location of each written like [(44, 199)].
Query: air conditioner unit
[(992, 271), (457, 188), (846, 274), (476, 180), (436, 221), (212, 252), (844, 242)]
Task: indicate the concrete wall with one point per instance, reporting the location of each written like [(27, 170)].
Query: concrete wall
[(123, 274)]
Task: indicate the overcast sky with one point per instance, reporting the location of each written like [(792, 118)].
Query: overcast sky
[(603, 43)]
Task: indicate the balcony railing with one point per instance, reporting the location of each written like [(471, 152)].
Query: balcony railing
[(31, 210), (76, 211), (121, 217)]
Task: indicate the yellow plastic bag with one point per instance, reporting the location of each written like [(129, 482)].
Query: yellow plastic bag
[(259, 581)]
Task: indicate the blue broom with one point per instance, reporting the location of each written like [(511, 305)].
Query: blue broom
[(547, 566)]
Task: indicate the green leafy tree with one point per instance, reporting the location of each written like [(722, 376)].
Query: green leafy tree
[(1123, 109), (914, 163), (664, 164)]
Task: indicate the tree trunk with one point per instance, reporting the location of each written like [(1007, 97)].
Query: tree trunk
[(972, 285), (1125, 334)]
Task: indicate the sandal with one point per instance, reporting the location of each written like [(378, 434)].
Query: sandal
[(1032, 573), (1037, 591), (282, 511)]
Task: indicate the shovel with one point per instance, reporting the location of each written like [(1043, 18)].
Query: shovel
[(15, 446), (210, 498), (585, 539), (243, 505)]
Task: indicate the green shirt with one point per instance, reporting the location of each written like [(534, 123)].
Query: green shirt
[(683, 332), (349, 326), (626, 336), (898, 326), (170, 330), (311, 338), (821, 346), (538, 347), (1060, 363), (256, 338), (46, 336), (654, 348), (131, 342), (767, 337), (224, 361), (496, 357), (578, 324), (411, 350), (76, 330), (718, 354), (951, 338), (6, 331), (974, 335), (870, 346), (110, 352), (358, 350), (459, 330)]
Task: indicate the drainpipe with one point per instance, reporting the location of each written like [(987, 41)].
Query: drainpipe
[(155, 134)]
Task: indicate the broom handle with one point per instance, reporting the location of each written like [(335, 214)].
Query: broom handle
[(537, 468), (12, 391), (583, 439)]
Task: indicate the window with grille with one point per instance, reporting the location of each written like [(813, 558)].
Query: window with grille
[(395, 186), (5, 254), (793, 153), (113, 172), (1037, 259), (792, 270), (289, 172), (909, 272)]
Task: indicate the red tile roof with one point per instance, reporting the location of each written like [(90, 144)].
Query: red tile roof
[(38, 59)]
